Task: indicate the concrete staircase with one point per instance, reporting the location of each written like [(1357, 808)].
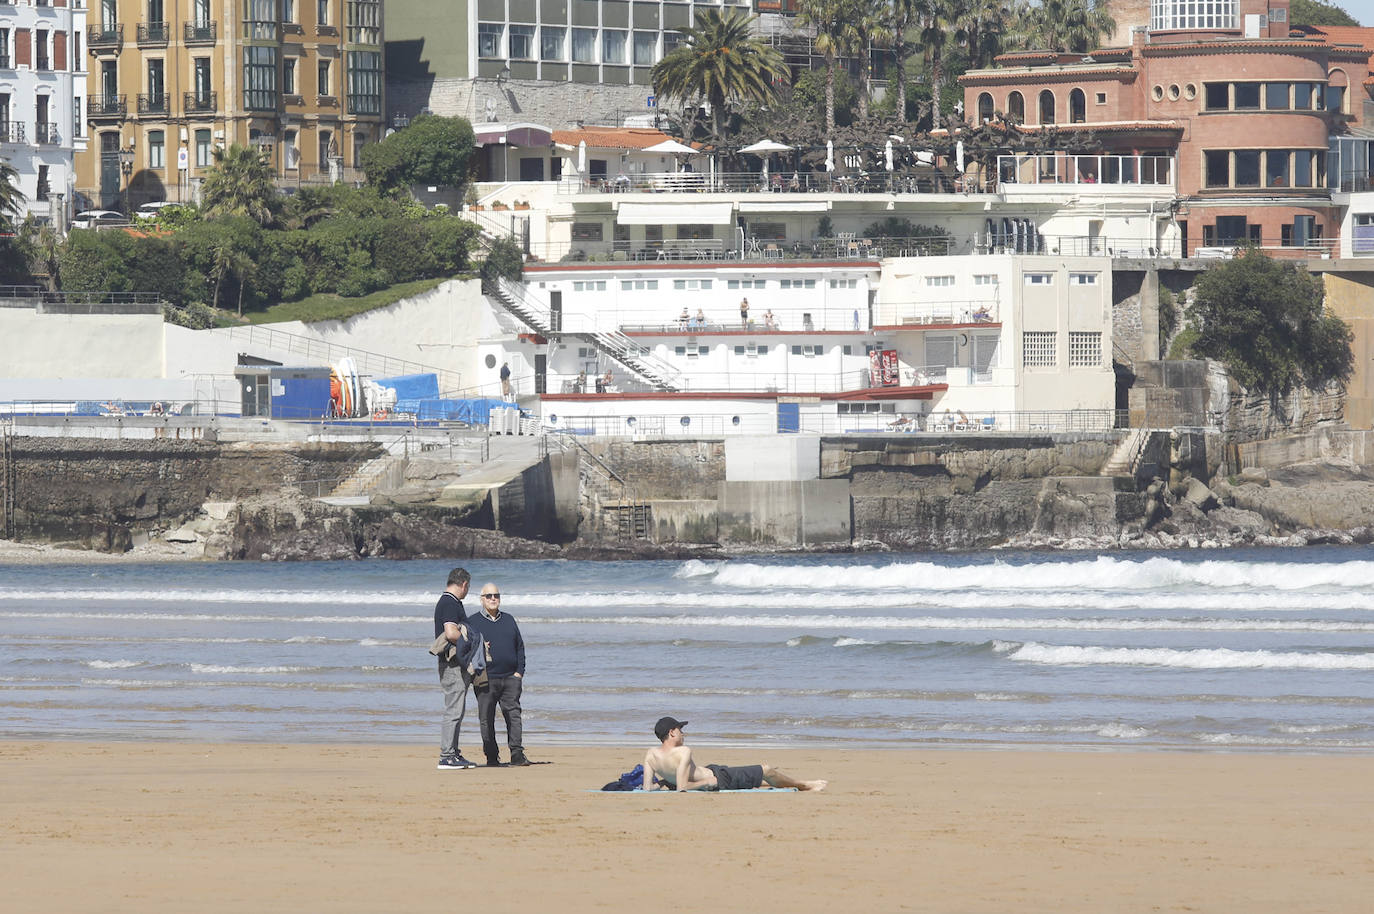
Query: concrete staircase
[(536, 315), (1125, 460), (358, 488), (608, 499)]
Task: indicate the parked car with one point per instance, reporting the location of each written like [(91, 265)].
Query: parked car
[(96, 218)]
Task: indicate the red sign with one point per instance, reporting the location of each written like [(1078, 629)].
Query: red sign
[(882, 368)]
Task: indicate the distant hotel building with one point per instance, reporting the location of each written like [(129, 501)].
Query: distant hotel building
[(41, 91), (172, 81)]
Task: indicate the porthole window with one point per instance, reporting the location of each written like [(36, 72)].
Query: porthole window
[(630, 421), (1157, 93), (491, 360), (1190, 91), (734, 420), (686, 421), (553, 418), (1174, 92)]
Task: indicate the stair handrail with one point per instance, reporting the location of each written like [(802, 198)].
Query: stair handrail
[(375, 362)]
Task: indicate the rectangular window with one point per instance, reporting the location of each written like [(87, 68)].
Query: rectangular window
[(290, 151), (1247, 168), (1085, 350), (1276, 96), (322, 12), (1037, 349), (40, 41), (203, 155), (364, 82), (584, 45), (940, 350), (1039, 279), (670, 41), (1082, 279), (613, 46), (1276, 168), (522, 42), (44, 188), (288, 10), (646, 44), (1302, 96), (78, 127), (944, 281), (1247, 96), (260, 19), (157, 84), (364, 22), (260, 78), (1102, 98), (201, 81), (1232, 230), (288, 76), (489, 39), (589, 285), (586, 231), (1217, 96), (157, 149), (551, 40), (631, 285), (1217, 165), (323, 83), (1302, 168), (1335, 99), (844, 283)]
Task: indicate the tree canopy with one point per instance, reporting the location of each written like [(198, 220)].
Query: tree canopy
[(240, 183), (1315, 12), (11, 198), (431, 150), (1264, 319)]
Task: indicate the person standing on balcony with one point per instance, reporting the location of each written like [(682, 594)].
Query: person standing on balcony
[(744, 313)]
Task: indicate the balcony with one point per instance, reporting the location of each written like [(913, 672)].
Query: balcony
[(106, 107), (109, 37), (293, 100), (153, 34), (327, 101), (200, 33), (12, 132), (200, 103), (326, 31), (153, 103), (45, 134)]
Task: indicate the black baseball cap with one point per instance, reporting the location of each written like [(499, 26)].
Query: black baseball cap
[(666, 725)]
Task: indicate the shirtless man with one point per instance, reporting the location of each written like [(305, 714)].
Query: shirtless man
[(672, 762)]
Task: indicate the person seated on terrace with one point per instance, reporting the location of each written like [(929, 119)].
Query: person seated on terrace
[(795, 182), (776, 182), (683, 319), (768, 322), (606, 380), (963, 421), (982, 314), (699, 322)]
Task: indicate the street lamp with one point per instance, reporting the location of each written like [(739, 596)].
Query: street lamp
[(126, 166)]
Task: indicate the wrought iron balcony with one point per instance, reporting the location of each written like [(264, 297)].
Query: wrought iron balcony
[(45, 134), (153, 34), (105, 107), (11, 131), (154, 103), (105, 37), (200, 102), (200, 32)]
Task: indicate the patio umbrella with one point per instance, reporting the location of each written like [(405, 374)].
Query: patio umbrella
[(829, 155), (887, 155), (763, 147), (582, 157), (672, 147), (959, 155)]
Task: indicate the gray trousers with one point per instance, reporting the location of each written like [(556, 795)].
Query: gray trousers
[(454, 681), (503, 691)]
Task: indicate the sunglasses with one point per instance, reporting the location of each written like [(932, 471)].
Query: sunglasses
[(491, 596)]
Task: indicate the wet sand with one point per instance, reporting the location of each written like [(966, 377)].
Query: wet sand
[(163, 827)]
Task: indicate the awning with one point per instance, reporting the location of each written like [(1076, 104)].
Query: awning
[(526, 135), (809, 206), (675, 214)]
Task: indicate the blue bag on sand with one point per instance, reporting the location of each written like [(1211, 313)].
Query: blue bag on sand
[(630, 780)]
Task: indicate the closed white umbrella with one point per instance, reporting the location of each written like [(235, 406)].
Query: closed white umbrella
[(829, 155), (887, 155), (959, 155), (582, 157)]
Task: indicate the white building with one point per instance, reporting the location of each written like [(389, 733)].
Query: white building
[(42, 80)]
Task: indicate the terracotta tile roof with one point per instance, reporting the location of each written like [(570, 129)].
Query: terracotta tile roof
[(1246, 44), (611, 137), (1341, 34)]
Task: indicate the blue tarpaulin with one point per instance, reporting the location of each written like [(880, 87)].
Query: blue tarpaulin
[(474, 412), (412, 386)]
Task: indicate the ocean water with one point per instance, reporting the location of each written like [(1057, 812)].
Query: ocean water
[(1264, 649)]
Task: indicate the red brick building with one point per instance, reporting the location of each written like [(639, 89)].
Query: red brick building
[(1265, 123)]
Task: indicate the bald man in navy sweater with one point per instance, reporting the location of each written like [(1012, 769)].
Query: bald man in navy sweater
[(505, 677)]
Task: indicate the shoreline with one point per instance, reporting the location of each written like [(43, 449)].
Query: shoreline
[(360, 827)]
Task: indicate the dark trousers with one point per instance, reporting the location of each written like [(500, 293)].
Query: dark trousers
[(503, 691)]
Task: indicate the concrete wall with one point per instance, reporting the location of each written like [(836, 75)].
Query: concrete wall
[(809, 513), (789, 458), (1351, 297), (37, 345)]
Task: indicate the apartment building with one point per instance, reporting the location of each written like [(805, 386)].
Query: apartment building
[(42, 84), (170, 80)]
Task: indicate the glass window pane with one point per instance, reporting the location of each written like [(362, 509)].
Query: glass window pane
[(489, 39), (1302, 168), (1276, 96), (1247, 168), (1302, 96), (551, 39), (646, 44), (1276, 168), (522, 42), (584, 45), (1247, 95), (1218, 163), (613, 46), (1218, 96)]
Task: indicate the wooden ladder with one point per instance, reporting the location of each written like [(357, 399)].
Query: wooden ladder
[(8, 474)]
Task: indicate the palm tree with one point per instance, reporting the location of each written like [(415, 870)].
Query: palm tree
[(720, 61), (1075, 26), (11, 197), (229, 259), (991, 26), (902, 18), (240, 183), (872, 29), (940, 28), (836, 25)]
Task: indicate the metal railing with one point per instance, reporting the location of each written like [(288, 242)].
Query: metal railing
[(798, 319), (200, 102), (923, 181), (46, 133), (788, 382), (968, 312), (152, 103), (1063, 168), (105, 36), (324, 353), (12, 132), (46, 302), (199, 32), (153, 33), (106, 106)]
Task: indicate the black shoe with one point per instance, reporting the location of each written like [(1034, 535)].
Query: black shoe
[(454, 762), (518, 760), (494, 761)]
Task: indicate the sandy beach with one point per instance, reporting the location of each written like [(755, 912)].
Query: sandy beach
[(149, 827)]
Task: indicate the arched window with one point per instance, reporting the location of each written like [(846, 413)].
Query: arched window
[(1047, 107), (1078, 107), (1336, 84), (984, 108), (1016, 107)]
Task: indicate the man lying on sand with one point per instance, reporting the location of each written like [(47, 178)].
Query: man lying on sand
[(672, 762)]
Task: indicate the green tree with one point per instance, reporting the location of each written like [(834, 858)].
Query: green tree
[(835, 23), (1075, 26), (990, 27), (11, 197), (721, 62), (431, 150), (903, 18), (1264, 319), (240, 183), (940, 27), (1315, 12), (504, 259)]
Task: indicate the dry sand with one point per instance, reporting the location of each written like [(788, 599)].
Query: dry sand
[(152, 827)]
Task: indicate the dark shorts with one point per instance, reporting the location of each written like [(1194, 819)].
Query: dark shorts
[(740, 777)]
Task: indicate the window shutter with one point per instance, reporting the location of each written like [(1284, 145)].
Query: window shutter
[(59, 51), (23, 48)]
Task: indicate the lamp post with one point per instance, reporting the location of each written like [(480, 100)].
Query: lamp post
[(126, 167)]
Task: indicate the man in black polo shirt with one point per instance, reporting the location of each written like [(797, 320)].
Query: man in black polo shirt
[(449, 616), (505, 677)]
